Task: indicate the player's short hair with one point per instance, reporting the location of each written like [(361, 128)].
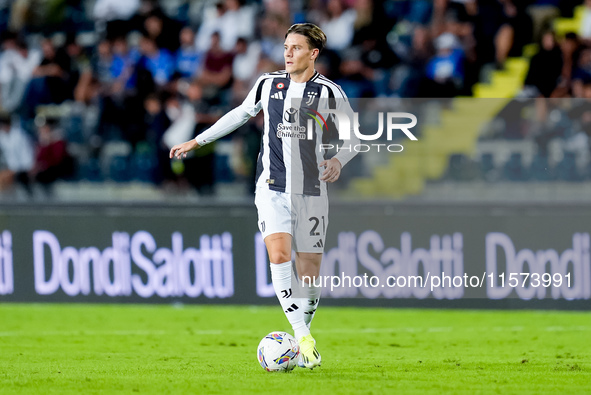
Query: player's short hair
[(314, 35)]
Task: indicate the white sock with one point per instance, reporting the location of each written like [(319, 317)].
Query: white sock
[(281, 276), (310, 301)]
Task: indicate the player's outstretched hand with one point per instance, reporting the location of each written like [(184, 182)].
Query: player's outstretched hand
[(332, 170), (180, 150)]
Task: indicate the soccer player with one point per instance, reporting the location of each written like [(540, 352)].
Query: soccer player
[(292, 172)]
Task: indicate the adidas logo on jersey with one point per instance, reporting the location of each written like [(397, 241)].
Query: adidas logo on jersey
[(277, 95), (320, 244)]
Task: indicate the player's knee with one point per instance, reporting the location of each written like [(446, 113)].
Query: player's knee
[(279, 257)]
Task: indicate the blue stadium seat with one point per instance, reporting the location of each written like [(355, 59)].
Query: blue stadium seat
[(540, 169), (223, 172), (143, 168), (73, 126), (456, 170), (119, 169), (513, 169), (487, 166), (567, 170), (587, 171), (91, 171)]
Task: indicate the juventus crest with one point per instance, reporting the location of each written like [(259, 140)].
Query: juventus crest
[(311, 97)]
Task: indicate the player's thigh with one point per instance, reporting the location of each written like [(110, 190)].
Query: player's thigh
[(311, 223), (274, 212), (275, 223)]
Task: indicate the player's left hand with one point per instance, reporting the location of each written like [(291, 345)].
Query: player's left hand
[(332, 170)]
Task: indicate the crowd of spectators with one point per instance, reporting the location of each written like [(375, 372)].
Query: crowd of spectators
[(151, 74), (562, 68)]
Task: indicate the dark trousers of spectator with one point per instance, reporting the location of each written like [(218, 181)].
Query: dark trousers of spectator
[(164, 170), (120, 119), (50, 175), (199, 171), (430, 88), (43, 90), (22, 178)]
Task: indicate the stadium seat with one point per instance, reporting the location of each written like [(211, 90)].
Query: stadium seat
[(73, 129), (119, 169), (586, 173), (540, 169), (110, 150), (461, 168), (223, 172), (487, 166), (567, 169), (513, 169), (91, 171), (143, 167)]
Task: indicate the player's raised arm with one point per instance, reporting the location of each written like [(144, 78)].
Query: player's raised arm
[(225, 125)]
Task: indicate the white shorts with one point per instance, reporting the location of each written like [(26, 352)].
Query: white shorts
[(304, 217)]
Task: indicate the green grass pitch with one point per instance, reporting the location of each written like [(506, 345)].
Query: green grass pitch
[(92, 349)]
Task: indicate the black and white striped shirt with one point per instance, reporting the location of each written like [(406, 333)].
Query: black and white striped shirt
[(292, 137)]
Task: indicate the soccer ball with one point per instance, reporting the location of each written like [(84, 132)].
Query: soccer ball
[(278, 352)]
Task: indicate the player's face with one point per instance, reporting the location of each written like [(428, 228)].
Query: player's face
[(297, 54)]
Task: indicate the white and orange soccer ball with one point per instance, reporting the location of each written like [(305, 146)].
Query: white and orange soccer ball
[(278, 352)]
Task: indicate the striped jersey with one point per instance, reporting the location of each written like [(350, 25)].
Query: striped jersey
[(295, 127)]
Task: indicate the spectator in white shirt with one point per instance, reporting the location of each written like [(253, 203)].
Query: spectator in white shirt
[(585, 29), (110, 14), (340, 27), (110, 10), (231, 19), (17, 63), (17, 154)]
